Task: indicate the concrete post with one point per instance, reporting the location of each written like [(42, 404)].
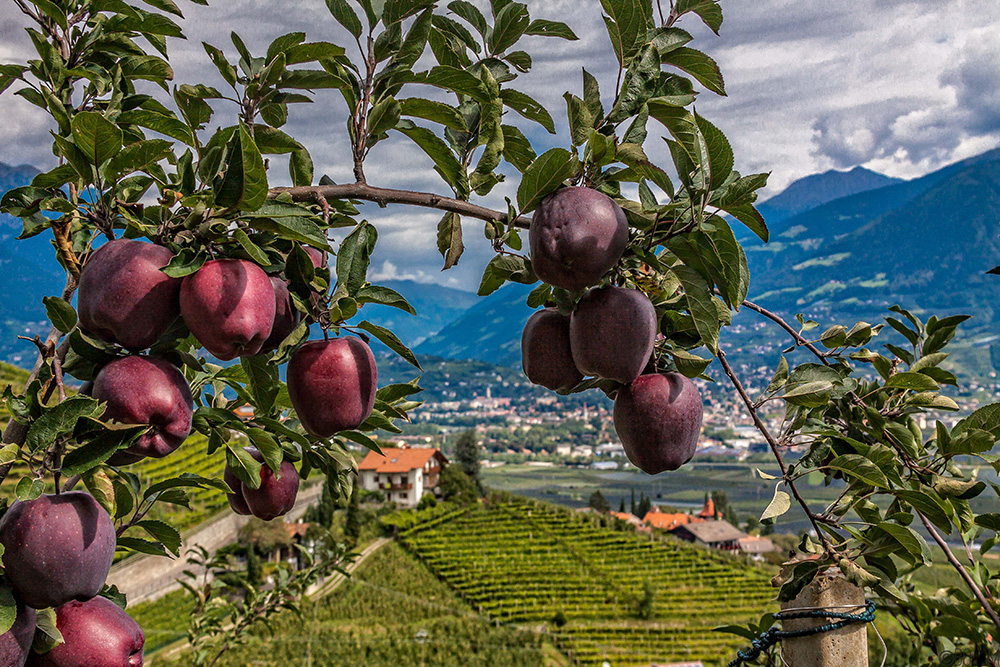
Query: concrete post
[(846, 647)]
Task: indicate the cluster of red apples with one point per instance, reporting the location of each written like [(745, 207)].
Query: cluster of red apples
[(576, 237), (58, 549)]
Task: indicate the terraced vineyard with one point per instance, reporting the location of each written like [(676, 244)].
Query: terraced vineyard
[(391, 612), (520, 561)]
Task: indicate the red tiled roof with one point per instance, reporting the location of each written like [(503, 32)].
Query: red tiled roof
[(666, 521), (297, 529), (398, 460)]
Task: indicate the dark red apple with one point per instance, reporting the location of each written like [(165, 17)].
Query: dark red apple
[(545, 352), (124, 297), (57, 548), (612, 332), (286, 317), (96, 633), (658, 418), (236, 501), (332, 384), (229, 306), (577, 235), (146, 390), (16, 642), (273, 498)]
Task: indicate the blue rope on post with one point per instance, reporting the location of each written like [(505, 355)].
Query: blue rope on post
[(773, 635)]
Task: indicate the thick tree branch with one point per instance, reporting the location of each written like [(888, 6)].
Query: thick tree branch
[(966, 577), (773, 444), (385, 196)]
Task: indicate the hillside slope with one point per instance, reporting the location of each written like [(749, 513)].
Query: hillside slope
[(818, 189)]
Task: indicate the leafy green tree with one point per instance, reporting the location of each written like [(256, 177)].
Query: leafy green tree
[(644, 606), (456, 486), (255, 570), (598, 502), (427, 501), (353, 520), (467, 455)]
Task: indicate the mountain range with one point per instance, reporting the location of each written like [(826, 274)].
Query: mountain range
[(844, 246)]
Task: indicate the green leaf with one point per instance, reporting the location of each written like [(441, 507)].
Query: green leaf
[(163, 533), (580, 119), (445, 162), (60, 420), (272, 141), (141, 546), (244, 185), (398, 10), (700, 305), (510, 24), (930, 505), (698, 65), (503, 268), (436, 112), (449, 239), (859, 468), (99, 449), (289, 221), (227, 71), (390, 340), (720, 153), (383, 116), (910, 380), (780, 503), (300, 167), (341, 10), (627, 22), (904, 536), (8, 609), (517, 149), (689, 365), (263, 380), (470, 13), (415, 42), (29, 489), (384, 296), (986, 418), (243, 465), (97, 137), (60, 313), (100, 486), (544, 176), (527, 107), (137, 157), (158, 122), (545, 28), (456, 80), (354, 258), (709, 11)]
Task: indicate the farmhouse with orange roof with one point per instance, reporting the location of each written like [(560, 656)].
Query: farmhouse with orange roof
[(404, 475)]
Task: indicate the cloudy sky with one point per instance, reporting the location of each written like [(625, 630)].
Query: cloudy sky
[(901, 87)]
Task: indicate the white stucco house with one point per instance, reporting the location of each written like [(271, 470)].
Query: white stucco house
[(403, 475)]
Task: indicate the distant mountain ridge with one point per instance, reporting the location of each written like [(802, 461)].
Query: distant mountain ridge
[(818, 189), (925, 243)]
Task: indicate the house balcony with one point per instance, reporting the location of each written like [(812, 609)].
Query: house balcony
[(397, 487)]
